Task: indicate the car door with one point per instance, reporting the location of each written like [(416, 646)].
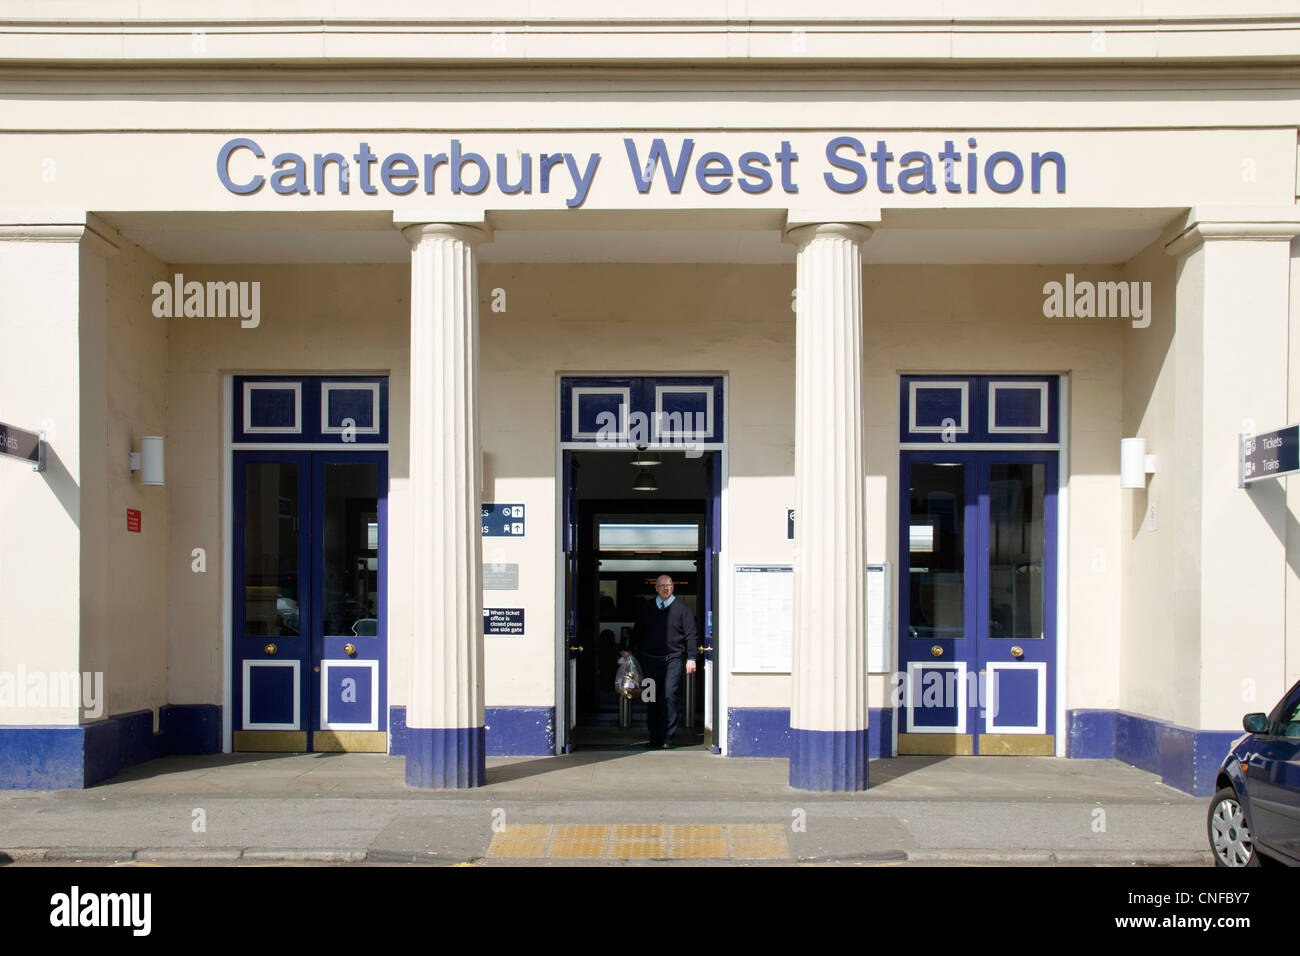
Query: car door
[(1273, 775)]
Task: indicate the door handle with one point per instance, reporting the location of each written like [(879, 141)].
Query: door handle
[(936, 651), (350, 650), (270, 650), (707, 649), (577, 648), (1017, 651)]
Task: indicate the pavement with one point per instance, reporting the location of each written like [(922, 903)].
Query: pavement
[(608, 807)]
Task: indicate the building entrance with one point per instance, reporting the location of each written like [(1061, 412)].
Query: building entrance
[(978, 565), (978, 585), (634, 516), (310, 647), (309, 621)]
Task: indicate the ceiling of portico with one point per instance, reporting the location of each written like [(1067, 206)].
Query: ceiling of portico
[(928, 237)]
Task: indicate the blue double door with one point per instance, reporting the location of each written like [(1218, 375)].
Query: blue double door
[(309, 604), (977, 596)]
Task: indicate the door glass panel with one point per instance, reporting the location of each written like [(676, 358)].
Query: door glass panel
[(936, 535), (1016, 546), (351, 550), (648, 537), (271, 572)]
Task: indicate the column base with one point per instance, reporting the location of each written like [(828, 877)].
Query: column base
[(445, 758), (828, 759)]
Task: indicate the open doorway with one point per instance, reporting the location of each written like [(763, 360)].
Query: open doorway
[(634, 516)]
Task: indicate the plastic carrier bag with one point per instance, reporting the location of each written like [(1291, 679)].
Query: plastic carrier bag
[(627, 679)]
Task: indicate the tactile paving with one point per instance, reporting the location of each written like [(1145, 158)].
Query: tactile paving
[(641, 841)]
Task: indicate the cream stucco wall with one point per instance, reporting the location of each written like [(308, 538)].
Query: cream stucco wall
[(981, 319), (1147, 655), (351, 319), (132, 644), (576, 319), (41, 584), (1292, 652), (154, 626)]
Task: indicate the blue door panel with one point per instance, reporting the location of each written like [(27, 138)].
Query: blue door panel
[(350, 693), (1013, 699), (368, 643), (281, 679), (990, 669), (937, 697), (274, 596), (271, 694)]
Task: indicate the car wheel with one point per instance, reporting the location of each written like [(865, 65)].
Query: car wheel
[(1230, 836)]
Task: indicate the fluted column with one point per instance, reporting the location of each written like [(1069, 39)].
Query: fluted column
[(444, 715), (828, 713)]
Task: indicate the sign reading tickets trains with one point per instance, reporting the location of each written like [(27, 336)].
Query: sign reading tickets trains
[(1269, 455), (20, 443), (501, 520)]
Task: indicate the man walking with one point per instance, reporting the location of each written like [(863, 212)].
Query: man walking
[(664, 635)]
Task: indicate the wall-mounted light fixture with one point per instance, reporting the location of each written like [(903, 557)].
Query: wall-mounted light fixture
[(1134, 463), (149, 460)]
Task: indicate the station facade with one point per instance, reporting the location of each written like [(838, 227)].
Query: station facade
[(457, 334)]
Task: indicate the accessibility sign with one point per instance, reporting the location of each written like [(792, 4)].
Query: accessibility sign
[(1268, 455)]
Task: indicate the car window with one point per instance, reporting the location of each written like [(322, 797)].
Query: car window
[(1291, 720), (1287, 716)]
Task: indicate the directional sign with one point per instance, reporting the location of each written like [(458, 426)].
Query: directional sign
[(501, 520), (1269, 455), (20, 443)]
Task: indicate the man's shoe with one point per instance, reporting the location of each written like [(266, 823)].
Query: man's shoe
[(667, 745), (654, 745)]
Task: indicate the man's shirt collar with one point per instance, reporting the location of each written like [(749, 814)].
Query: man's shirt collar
[(661, 603)]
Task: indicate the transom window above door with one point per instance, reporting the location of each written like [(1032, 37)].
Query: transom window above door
[(346, 410), (965, 409), (663, 411)]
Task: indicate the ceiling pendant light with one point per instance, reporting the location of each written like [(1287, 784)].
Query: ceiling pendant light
[(644, 482), (646, 459)]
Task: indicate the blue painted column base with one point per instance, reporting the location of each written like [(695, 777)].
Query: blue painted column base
[(828, 759), (446, 758)]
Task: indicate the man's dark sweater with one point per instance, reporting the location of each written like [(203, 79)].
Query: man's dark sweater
[(660, 632)]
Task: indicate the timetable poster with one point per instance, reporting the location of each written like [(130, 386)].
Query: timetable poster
[(764, 619)]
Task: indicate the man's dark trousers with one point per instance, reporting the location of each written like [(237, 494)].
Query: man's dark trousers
[(664, 709)]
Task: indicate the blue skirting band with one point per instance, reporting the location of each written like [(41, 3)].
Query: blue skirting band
[(73, 757), (1186, 759), (828, 759), (765, 732), (509, 731), (445, 758)]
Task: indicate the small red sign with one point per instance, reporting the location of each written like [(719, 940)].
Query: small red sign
[(133, 520)]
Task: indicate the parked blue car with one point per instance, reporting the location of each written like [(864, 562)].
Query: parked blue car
[(1255, 815)]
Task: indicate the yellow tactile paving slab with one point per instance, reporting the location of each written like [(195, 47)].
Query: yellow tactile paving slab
[(528, 839), (641, 841)]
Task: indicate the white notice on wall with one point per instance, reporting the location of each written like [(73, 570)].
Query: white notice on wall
[(764, 619), (878, 618)]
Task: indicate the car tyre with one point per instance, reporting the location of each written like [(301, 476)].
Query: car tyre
[(1230, 838)]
